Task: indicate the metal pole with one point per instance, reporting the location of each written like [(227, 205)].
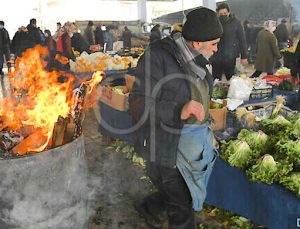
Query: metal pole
[(211, 4)]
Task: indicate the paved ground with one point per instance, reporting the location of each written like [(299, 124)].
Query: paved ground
[(114, 184)]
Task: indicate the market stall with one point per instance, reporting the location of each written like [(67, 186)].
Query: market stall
[(271, 205)]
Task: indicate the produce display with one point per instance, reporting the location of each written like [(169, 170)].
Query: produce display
[(99, 61), (270, 154)]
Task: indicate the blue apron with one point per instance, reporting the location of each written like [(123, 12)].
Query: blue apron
[(195, 159)]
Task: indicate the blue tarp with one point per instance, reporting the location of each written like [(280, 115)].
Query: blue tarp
[(270, 205)]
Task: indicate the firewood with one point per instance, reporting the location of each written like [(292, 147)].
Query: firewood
[(58, 132), (69, 130), (33, 143)]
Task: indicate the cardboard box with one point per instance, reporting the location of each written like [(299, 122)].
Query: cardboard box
[(218, 117), (116, 101), (129, 79)]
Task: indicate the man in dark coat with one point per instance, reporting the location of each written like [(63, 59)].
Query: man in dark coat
[(295, 69), (282, 35), (171, 95), (231, 46), (34, 32), (126, 38), (21, 41), (4, 46), (99, 35), (155, 34), (89, 33)]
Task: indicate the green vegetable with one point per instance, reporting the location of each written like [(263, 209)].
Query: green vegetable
[(275, 125), (289, 150), (267, 170), (237, 153), (292, 182), (287, 85), (256, 140), (219, 92)]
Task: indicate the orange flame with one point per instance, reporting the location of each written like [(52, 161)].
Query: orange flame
[(38, 97)]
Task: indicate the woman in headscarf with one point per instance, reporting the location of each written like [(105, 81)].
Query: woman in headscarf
[(266, 50)]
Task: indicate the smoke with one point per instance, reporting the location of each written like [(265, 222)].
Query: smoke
[(295, 4)]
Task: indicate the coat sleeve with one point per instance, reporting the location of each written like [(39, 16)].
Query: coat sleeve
[(166, 111), (242, 41), (274, 47)]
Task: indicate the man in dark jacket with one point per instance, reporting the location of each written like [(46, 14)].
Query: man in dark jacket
[(155, 34), (282, 35), (169, 105), (231, 46), (89, 34), (126, 38), (4, 46), (99, 35), (34, 32)]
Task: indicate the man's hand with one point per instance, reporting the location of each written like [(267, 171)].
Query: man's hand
[(244, 62), (193, 108)]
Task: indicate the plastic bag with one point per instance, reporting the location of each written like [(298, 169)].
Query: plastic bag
[(240, 88)]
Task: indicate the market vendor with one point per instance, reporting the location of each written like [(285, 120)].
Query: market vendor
[(174, 86)]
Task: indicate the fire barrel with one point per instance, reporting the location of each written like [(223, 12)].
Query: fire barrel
[(45, 190)]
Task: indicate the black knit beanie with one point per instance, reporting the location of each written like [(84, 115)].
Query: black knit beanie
[(202, 24)]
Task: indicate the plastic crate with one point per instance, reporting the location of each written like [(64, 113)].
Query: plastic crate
[(266, 112), (261, 93)]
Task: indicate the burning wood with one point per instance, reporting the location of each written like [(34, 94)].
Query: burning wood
[(42, 104)]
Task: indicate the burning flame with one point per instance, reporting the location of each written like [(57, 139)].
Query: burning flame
[(38, 97)]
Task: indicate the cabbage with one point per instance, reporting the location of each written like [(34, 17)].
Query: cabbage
[(267, 170), (276, 125), (256, 140), (237, 153), (289, 150), (292, 182)]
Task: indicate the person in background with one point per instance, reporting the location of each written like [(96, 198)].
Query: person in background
[(99, 35), (51, 46), (78, 42), (295, 68), (89, 34), (109, 39), (58, 32), (155, 34), (177, 143), (126, 36), (267, 51), (34, 32), (4, 47), (67, 52), (21, 41), (247, 29), (282, 35), (232, 45)]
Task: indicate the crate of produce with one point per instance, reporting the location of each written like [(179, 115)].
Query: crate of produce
[(261, 93)]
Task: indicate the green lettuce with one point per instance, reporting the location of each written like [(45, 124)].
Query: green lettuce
[(292, 182)]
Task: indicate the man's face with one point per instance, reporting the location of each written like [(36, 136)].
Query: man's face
[(223, 12), (207, 48)]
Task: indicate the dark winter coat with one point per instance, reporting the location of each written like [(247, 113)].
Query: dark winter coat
[(155, 35), (79, 43), (34, 34), (89, 35), (20, 42), (99, 36), (67, 47), (160, 60), (267, 51), (4, 40), (127, 39), (295, 69), (281, 33), (233, 42)]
